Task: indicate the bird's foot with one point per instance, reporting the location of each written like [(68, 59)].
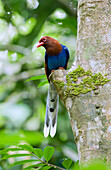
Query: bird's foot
[(61, 68), (52, 71)]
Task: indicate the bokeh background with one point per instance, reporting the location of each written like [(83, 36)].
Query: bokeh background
[(23, 103)]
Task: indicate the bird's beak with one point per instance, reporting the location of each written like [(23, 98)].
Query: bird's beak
[(40, 44)]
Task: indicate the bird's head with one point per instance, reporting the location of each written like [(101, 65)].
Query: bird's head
[(45, 41), (51, 45), (42, 41)]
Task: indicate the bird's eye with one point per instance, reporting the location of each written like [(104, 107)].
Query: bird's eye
[(44, 40)]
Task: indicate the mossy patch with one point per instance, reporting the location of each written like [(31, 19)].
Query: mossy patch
[(59, 83), (81, 81)]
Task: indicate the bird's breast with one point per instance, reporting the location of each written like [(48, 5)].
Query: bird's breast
[(56, 61)]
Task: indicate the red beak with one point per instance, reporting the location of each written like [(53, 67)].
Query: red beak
[(40, 44)]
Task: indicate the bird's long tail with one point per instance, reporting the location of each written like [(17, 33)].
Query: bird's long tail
[(51, 111)]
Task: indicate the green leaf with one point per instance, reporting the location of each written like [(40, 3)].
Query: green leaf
[(38, 152), (9, 149), (13, 138), (23, 162), (67, 163), (27, 147), (34, 138), (48, 152), (94, 165), (15, 155), (42, 83), (45, 168), (36, 78), (35, 165)]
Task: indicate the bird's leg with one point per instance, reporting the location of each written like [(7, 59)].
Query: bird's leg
[(61, 68)]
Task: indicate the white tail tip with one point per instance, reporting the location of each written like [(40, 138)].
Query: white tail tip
[(53, 130), (46, 130)]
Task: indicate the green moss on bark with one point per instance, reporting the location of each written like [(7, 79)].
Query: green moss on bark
[(81, 81), (59, 83)]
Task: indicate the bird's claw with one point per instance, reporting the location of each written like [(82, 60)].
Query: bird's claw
[(52, 71), (61, 68)]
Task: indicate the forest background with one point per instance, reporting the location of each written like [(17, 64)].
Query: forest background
[(23, 103)]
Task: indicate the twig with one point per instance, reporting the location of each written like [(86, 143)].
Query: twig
[(46, 163)]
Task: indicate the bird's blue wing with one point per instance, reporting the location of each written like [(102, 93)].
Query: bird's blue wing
[(46, 66), (67, 57)]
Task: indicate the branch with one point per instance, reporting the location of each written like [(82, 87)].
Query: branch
[(16, 48), (56, 77)]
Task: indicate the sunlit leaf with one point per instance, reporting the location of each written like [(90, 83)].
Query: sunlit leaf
[(95, 165), (67, 163), (15, 155), (45, 168), (14, 57), (27, 147), (17, 19), (32, 4), (9, 149), (33, 138), (38, 152), (36, 78), (14, 137), (42, 83), (27, 28), (2, 10), (23, 162), (35, 165), (48, 152), (8, 137)]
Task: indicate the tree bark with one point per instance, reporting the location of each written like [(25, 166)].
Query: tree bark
[(90, 113)]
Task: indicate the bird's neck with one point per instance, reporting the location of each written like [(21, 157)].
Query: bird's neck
[(54, 49)]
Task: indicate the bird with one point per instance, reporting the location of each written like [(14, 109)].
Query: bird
[(56, 57)]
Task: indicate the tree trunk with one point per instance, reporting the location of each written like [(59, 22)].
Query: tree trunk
[(90, 113)]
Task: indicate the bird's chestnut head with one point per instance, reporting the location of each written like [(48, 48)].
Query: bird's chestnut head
[(44, 41), (51, 45)]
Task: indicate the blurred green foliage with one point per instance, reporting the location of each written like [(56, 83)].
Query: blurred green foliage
[(22, 104), (31, 158)]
